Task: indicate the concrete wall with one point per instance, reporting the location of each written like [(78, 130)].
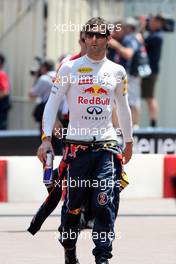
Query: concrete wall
[(21, 38), (24, 178)]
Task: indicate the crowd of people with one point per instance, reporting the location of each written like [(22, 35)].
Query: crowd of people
[(139, 51), (136, 37), (127, 47)]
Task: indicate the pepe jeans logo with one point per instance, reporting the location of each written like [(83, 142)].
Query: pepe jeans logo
[(94, 110)]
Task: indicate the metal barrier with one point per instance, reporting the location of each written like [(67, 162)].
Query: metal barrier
[(146, 140)]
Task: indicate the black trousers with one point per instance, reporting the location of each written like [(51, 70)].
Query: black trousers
[(99, 170), (3, 119)]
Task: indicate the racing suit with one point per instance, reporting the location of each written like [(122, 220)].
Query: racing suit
[(91, 88)]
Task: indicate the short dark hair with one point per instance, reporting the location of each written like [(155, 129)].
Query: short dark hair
[(160, 18), (48, 64), (2, 59), (97, 22), (81, 33)]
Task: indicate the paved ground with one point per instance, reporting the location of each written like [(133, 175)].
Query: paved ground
[(145, 230)]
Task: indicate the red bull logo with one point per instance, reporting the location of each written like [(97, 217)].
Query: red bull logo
[(94, 100), (95, 90)]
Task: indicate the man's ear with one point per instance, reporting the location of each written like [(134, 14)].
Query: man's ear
[(85, 42), (109, 38)]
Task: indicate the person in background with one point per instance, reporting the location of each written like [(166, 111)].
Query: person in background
[(64, 111), (4, 95), (42, 88), (153, 43), (122, 48)]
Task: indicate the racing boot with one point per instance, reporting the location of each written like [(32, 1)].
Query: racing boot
[(70, 256), (102, 261)]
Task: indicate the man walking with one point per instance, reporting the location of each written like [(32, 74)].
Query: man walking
[(91, 84)]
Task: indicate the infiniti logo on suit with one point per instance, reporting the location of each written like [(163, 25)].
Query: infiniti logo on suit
[(94, 110)]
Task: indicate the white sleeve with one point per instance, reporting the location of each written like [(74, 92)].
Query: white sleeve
[(65, 109), (58, 90), (123, 109)]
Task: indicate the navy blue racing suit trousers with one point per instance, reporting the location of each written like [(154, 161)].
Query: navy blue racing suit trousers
[(101, 170)]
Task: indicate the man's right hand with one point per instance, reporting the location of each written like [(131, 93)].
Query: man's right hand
[(44, 148)]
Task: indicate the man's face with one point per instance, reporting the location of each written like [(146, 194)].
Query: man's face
[(96, 41), (155, 24), (43, 69), (118, 35)]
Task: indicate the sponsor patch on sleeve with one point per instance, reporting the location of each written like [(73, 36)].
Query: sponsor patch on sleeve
[(125, 86), (57, 80)]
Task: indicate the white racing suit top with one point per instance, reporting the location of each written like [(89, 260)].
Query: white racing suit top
[(90, 88)]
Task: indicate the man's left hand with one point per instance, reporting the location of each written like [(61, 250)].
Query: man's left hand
[(128, 151)]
